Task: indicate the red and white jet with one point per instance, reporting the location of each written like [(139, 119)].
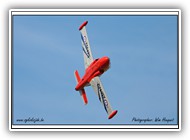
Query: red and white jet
[(94, 69)]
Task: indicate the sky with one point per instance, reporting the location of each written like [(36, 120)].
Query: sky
[(141, 83)]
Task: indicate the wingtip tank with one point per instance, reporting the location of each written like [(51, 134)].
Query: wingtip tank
[(112, 114), (84, 24)]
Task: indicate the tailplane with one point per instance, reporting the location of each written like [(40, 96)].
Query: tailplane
[(82, 91)]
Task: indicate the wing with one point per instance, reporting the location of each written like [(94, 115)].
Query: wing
[(99, 90), (88, 59)]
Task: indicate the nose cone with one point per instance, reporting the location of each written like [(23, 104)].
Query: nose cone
[(106, 59), (105, 63)]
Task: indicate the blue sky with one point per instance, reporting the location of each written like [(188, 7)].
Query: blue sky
[(141, 83)]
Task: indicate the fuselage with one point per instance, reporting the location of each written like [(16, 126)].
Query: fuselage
[(96, 68)]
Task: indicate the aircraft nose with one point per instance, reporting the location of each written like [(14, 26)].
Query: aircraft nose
[(106, 59), (106, 63)]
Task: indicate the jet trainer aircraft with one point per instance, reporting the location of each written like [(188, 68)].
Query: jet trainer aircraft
[(93, 69)]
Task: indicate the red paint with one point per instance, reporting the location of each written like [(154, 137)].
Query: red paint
[(82, 91), (84, 24), (77, 76), (83, 94), (96, 68), (112, 114)]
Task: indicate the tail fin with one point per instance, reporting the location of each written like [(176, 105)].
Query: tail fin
[(82, 91)]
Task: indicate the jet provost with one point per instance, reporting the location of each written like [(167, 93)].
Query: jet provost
[(93, 69)]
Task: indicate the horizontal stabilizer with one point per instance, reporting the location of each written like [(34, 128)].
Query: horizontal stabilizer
[(82, 91), (77, 76), (83, 95)]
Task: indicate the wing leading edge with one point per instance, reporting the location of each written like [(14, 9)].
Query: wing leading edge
[(99, 90)]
